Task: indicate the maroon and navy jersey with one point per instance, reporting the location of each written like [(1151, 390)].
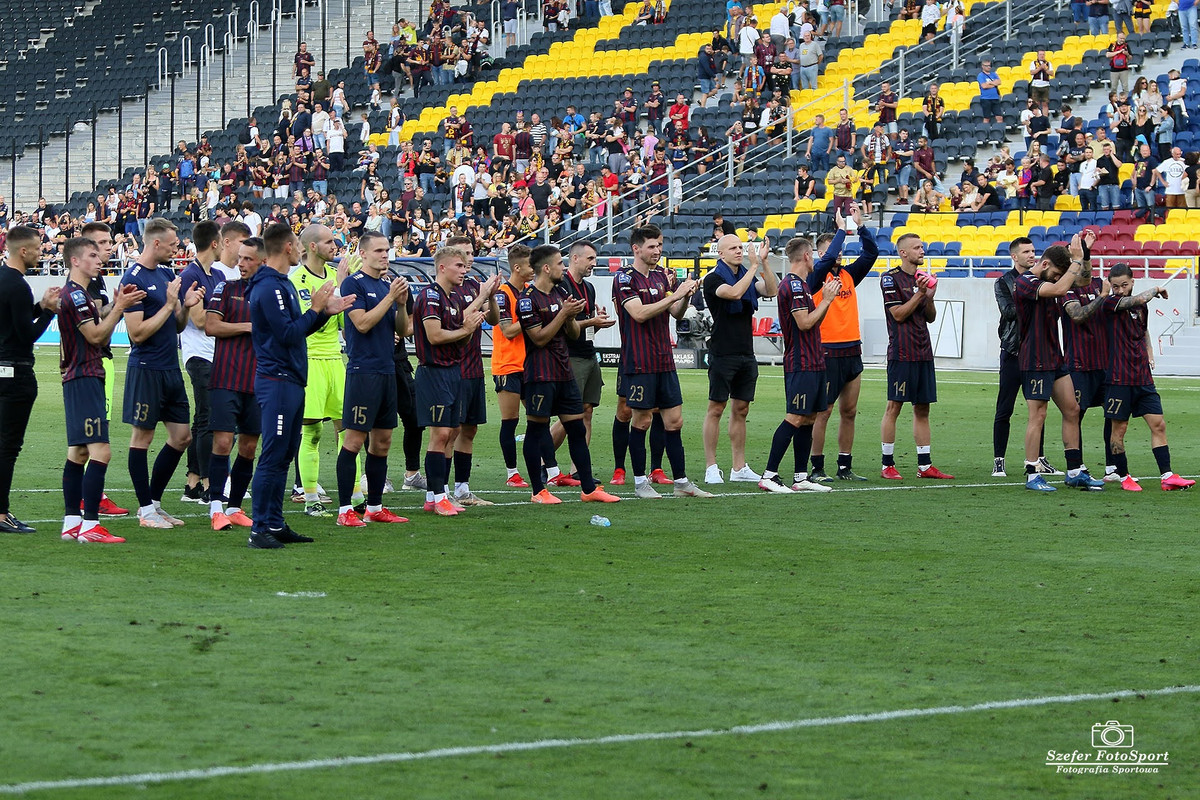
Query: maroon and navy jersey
[(434, 303), (1128, 361), (536, 309), (1085, 344), (1038, 318), (802, 351), (645, 346), (77, 358), (908, 340), (233, 362), (472, 357)]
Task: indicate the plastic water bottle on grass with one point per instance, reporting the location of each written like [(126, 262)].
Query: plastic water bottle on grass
[(601, 522)]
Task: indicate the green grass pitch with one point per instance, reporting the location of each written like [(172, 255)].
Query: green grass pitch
[(177, 651)]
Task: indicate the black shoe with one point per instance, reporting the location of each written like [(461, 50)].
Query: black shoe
[(192, 494), (261, 540), (848, 474), (819, 476), (289, 536), (14, 525), (206, 497), (361, 508)]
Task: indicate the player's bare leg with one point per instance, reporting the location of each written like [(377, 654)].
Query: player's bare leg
[(710, 433), (887, 435), (847, 403), (738, 412)]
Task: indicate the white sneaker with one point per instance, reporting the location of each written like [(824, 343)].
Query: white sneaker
[(1112, 477), (645, 491), (1044, 467), (388, 488), (415, 482), (712, 475), (745, 475), (690, 489), (773, 485), (998, 468), (322, 495), (153, 520), (808, 486)]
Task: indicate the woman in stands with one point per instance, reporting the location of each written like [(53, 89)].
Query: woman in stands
[(1151, 99), (1141, 15), (751, 114), (927, 198)]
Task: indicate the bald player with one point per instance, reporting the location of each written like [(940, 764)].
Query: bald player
[(731, 293), (326, 373)]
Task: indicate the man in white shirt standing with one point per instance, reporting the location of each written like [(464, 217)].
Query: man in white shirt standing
[(747, 38), (1173, 174), (335, 139), (320, 121), (780, 29)]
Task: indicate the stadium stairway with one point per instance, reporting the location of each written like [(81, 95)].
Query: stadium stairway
[(190, 105)]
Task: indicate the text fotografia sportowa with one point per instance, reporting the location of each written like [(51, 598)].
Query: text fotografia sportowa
[(1116, 762)]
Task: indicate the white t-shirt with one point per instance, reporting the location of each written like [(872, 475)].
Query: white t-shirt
[(1087, 174), (335, 138), (1177, 85), (747, 39), (930, 14), (253, 221), (1174, 171)]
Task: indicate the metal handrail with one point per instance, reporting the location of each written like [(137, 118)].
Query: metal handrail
[(185, 56), (164, 66), (709, 180)]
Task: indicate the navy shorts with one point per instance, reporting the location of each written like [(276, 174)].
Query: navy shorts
[(732, 376), (648, 390), (911, 382), (553, 399), (805, 392), (370, 402), (621, 383), (514, 383), (1123, 402), (473, 400), (234, 412), (1039, 384), (437, 396), (85, 401), (1090, 389), (153, 396), (840, 370)]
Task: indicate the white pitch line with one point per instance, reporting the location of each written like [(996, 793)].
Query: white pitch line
[(551, 744)]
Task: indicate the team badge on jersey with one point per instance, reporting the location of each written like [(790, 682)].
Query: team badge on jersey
[(525, 304)]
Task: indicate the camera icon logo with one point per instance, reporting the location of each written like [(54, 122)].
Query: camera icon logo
[(1112, 734)]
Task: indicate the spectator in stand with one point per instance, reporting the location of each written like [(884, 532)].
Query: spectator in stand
[(1145, 177), (842, 179), (508, 13), (1119, 56), (1147, 94), (1073, 154), (1109, 177), (1141, 15), (321, 89), (811, 54), (820, 145), (780, 28), (805, 186), (1122, 12), (1089, 180), (876, 150), (753, 78), (780, 78), (931, 14), (1164, 133), (886, 107), (628, 115), (836, 17), (1172, 173), (989, 91), (1079, 12), (928, 198), (654, 105), (708, 73), (303, 60), (1041, 72), (1176, 92), (678, 117), (986, 196), (1192, 193), (1042, 185), (845, 136), (747, 38), (1097, 17), (925, 163), (934, 108), (902, 150)]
